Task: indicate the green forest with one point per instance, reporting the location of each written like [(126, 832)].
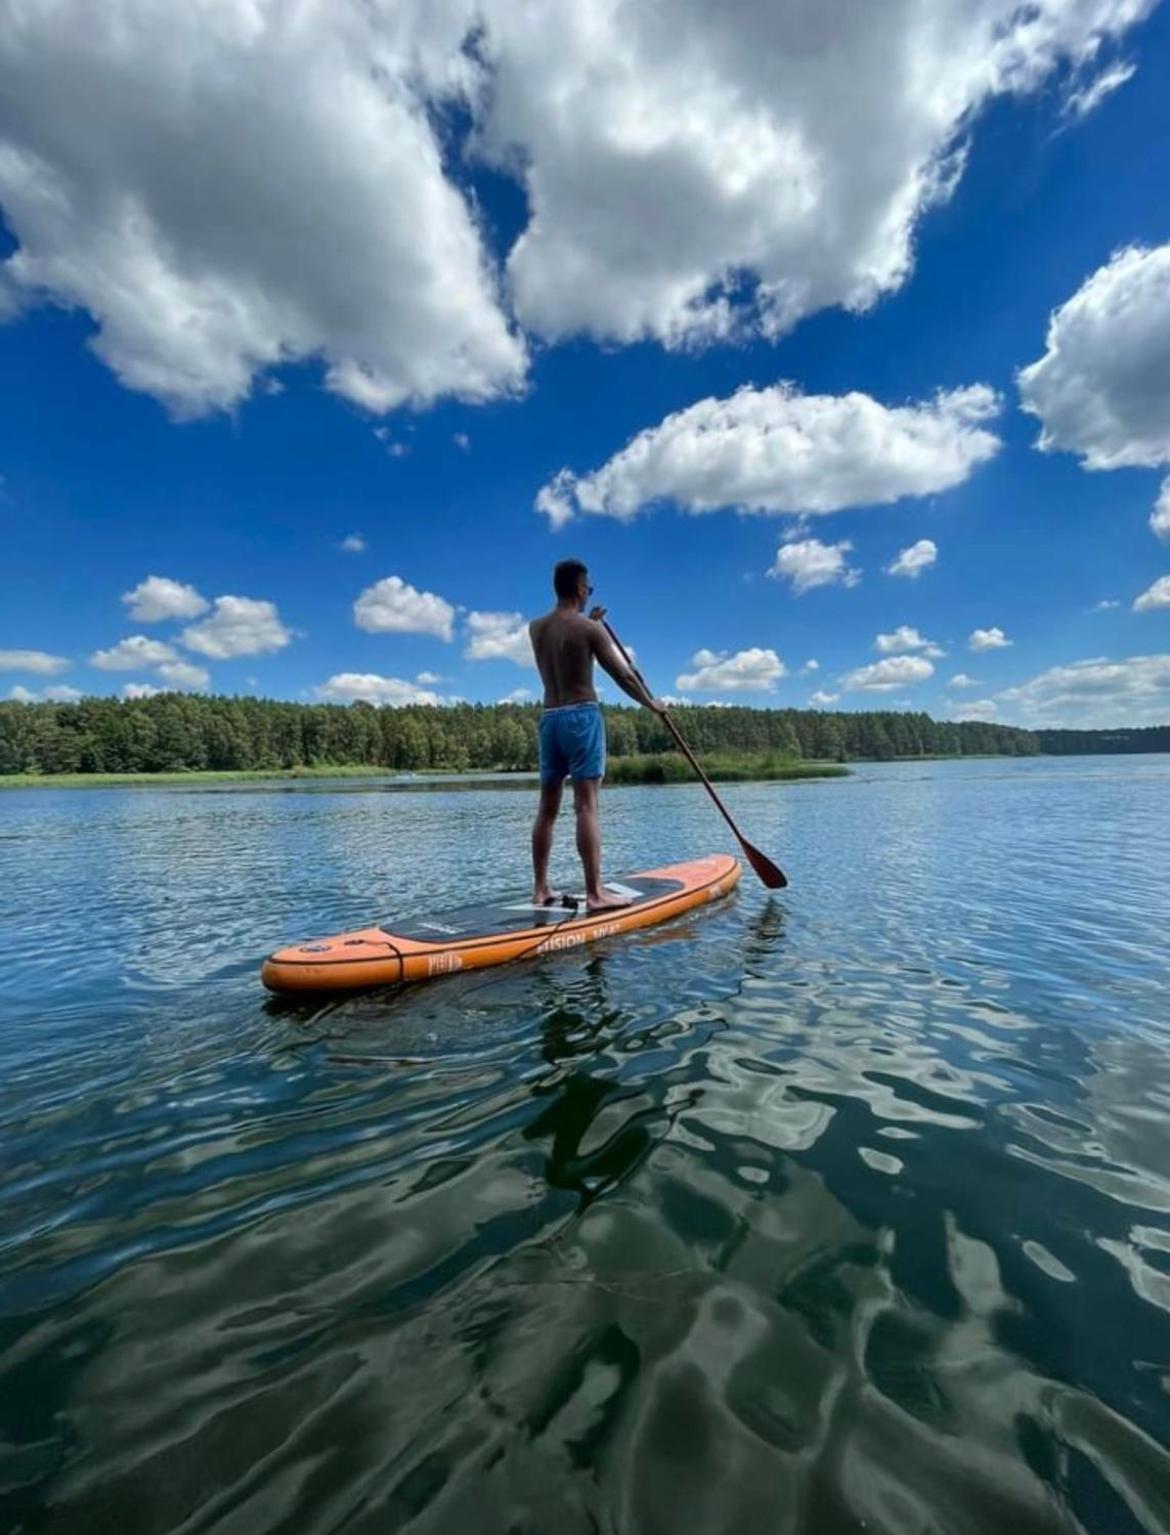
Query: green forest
[(175, 732)]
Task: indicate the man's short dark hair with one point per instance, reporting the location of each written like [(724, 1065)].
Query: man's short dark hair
[(566, 575)]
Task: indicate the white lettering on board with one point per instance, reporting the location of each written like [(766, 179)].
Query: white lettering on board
[(561, 941), (443, 964)]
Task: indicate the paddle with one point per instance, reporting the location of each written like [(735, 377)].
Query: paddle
[(769, 874)]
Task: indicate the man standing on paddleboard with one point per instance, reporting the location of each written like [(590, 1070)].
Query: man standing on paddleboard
[(572, 731)]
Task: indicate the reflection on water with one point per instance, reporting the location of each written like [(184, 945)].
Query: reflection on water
[(843, 1210)]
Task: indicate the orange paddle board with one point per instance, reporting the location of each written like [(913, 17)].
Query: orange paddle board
[(493, 932)]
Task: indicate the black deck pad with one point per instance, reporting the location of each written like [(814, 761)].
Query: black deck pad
[(516, 913)]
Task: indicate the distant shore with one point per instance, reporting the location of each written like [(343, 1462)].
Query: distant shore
[(657, 769)]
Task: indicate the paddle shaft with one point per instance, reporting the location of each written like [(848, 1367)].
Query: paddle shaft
[(676, 733), (754, 856)]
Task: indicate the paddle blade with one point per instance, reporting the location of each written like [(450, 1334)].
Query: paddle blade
[(770, 875)]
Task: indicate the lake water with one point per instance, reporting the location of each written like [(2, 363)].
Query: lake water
[(842, 1210)]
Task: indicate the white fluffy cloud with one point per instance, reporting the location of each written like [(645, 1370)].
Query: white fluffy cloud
[(982, 709), (1154, 597), (352, 543), (140, 690), (336, 235), (133, 652), (1095, 694), (779, 451), (961, 680), (747, 671), (1102, 388), (239, 626), (159, 597), (139, 651), (350, 687), (57, 694), (903, 639), (39, 662), (392, 606), (499, 637), (886, 676), (694, 169), (808, 563), (556, 500), (914, 560), (988, 639), (183, 675), (821, 700), (1160, 516), (518, 696), (811, 144)]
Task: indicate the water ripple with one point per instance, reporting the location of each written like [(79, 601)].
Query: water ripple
[(847, 1210)]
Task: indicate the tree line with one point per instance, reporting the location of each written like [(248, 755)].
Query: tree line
[(174, 732)]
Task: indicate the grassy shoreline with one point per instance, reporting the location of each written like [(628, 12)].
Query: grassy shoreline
[(720, 767), (190, 776), (665, 768)]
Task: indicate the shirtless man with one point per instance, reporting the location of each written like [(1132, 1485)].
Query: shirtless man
[(572, 731)]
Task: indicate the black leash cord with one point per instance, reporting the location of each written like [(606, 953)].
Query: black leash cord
[(574, 906)]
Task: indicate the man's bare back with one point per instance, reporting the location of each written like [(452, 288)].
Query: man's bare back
[(565, 646)]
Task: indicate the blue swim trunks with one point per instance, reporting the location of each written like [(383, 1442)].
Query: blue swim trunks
[(572, 743)]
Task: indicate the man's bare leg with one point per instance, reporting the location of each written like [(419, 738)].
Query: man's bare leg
[(589, 846), (542, 841)]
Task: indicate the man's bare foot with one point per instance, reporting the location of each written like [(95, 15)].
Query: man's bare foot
[(547, 897), (604, 901)]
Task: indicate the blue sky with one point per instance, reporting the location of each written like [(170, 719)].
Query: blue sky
[(417, 377)]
